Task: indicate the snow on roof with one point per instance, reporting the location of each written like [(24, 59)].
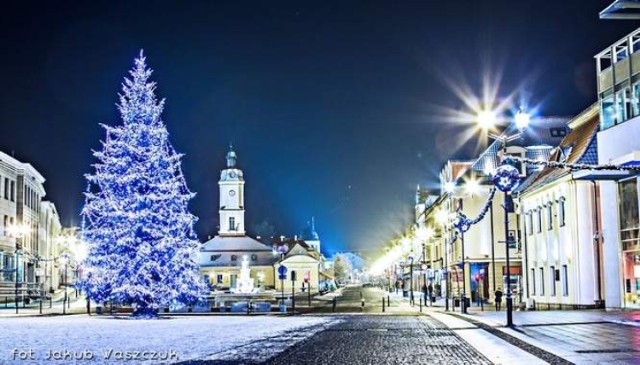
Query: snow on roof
[(235, 244)]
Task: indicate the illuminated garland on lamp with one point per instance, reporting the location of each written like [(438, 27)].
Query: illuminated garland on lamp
[(574, 166), (507, 178), (462, 224)]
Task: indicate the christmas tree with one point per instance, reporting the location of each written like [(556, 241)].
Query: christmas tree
[(142, 246)]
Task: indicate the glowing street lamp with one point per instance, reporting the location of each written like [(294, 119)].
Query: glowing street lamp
[(486, 119), (522, 120)]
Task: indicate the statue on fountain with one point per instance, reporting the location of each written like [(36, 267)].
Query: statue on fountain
[(245, 282)]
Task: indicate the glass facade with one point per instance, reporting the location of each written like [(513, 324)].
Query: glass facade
[(630, 240)]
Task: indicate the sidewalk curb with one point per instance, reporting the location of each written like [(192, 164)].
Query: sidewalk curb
[(533, 350)]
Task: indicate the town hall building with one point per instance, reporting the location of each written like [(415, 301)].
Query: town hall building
[(221, 257)]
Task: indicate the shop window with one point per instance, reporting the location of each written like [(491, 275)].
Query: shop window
[(628, 209)]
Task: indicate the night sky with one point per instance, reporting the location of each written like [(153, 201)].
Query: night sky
[(337, 109)]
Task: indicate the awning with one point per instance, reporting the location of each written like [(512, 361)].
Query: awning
[(600, 175)]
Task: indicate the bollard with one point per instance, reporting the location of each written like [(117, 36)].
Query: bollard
[(388, 301), (334, 304), (50, 301), (421, 304), (88, 307), (383, 305), (362, 305), (40, 305)]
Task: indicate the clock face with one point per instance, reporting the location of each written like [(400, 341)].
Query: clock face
[(232, 174), (232, 192)]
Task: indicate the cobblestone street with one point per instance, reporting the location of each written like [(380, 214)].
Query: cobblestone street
[(363, 339)]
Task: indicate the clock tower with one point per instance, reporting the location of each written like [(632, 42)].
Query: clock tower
[(231, 198)]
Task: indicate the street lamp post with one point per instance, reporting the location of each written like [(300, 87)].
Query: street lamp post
[(65, 260), (17, 232), (521, 121), (463, 302), (411, 279)]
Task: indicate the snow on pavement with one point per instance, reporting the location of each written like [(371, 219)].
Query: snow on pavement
[(100, 339)]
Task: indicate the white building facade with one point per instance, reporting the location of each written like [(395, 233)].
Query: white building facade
[(618, 80), (30, 256)]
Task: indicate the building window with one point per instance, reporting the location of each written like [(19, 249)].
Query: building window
[(607, 111), (529, 223), (254, 257), (13, 191), (6, 188), (549, 216), (541, 281), (215, 257), (232, 223), (539, 219), (533, 281), (635, 100), (234, 258), (219, 279), (561, 212), (565, 281), (552, 281)]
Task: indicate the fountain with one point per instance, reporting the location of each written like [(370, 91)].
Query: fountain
[(241, 297), (245, 283)]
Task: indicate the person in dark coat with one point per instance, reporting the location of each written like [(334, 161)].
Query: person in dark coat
[(430, 290), (498, 293)]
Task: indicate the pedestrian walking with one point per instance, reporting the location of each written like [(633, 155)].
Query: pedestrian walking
[(430, 291), (424, 293), (498, 293)]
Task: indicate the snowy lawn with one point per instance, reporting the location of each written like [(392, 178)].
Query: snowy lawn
[(105, 339)]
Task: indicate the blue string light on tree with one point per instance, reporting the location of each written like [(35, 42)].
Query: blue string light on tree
[(506, 178)]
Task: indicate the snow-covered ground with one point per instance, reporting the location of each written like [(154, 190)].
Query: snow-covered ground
[(76, 339)]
